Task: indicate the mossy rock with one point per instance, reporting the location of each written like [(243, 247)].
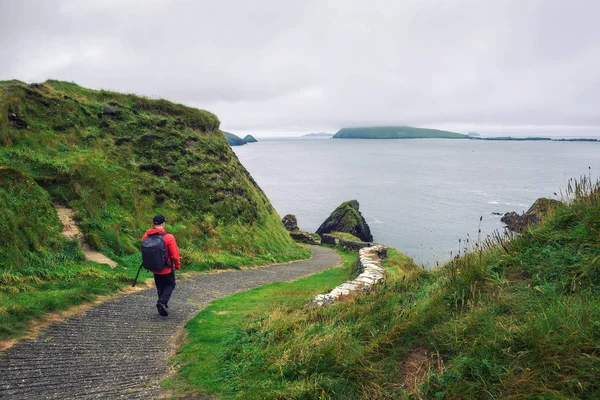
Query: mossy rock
[(347, 218), (305, 237), (540, 209), (290, 222), (346, 236)]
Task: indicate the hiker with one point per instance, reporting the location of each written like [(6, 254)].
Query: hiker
[(166, 253)]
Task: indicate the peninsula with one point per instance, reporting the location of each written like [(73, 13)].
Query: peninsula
[(396, 132), (234, 140)]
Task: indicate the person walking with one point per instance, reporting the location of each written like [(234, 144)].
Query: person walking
[(166, 247)]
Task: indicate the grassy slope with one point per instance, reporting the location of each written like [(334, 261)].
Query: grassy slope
[(116, 160), (214, 329), (395, 132), (345, 235), (518, 320)]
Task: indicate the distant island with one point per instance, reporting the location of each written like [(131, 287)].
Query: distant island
[(396, 132), (234, 140), (535, 138), (318, 135), (410, 132)]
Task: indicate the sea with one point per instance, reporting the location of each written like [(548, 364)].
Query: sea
[(420, 196)]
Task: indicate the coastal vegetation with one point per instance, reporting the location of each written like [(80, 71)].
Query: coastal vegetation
[(215, 332), (345, 235), (116, 160), (395, 132), (508, 317)]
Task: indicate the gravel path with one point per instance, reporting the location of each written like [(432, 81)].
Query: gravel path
[(120, 348)]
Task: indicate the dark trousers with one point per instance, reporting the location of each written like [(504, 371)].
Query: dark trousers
[(164, 286)]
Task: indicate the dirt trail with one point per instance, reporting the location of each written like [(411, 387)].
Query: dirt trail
[(71, 231), (120, 348)]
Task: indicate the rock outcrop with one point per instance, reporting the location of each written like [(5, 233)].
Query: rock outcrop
[(536, 214), (370, 272), (250, 139), (351, 245), (305, 237), (347, 218), (290, 222), (16, 121)]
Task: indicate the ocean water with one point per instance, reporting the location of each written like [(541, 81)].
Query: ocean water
[(419, 196)]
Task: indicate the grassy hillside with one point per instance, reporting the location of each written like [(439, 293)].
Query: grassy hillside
[(116, 160), (505, 319), (395, 132), (199, 362)]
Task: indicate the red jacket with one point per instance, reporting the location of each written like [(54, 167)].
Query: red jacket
[(171, 248)]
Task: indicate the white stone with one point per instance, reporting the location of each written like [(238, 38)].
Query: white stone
[(371, 274)]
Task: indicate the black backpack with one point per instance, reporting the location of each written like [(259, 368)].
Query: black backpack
[(154, 253)]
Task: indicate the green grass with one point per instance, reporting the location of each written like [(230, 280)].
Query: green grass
[(507, 318), (202, 362), (116, 160), (345, 235)]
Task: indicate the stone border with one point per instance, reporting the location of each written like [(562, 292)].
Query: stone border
[(371, 274), (347, 244)]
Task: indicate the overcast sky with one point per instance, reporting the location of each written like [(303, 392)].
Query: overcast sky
[(272, 67)]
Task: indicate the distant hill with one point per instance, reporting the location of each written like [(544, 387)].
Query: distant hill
[(318, 135), (233, 140), (395, 132), (535, 138), (250, 139)]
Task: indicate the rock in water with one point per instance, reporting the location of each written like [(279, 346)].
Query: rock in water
[(347, 218), (290, 222), (538, 211)]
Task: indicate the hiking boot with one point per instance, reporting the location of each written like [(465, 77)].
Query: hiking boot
[(162, 309)]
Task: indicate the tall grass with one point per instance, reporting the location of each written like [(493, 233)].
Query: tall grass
[(215, 357), (509, 317)]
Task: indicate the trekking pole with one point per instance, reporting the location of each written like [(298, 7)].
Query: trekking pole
[(138, 274)]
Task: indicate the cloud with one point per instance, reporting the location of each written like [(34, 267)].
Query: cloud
[(322, 65)]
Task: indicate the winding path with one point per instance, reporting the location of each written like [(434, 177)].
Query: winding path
[(120, 348)]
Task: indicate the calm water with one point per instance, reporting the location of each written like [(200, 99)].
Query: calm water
[(419, 196)]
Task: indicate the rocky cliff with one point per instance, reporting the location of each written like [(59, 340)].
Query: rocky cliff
[(532, 217), (347, 218)]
